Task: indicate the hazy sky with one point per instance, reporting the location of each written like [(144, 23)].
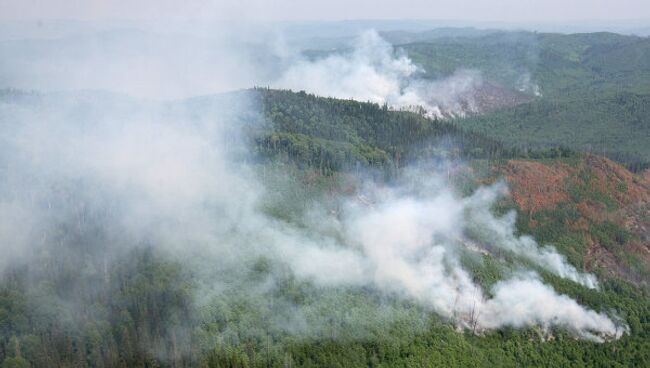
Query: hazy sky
[(477, 10)]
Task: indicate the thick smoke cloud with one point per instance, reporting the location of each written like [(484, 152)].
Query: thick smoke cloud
[(412, 244), (122, 173), (372, 71), (173, 182)]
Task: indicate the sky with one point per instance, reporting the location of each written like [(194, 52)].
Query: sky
[(297, 10)]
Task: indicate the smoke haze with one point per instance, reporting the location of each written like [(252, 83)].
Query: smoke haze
[(113, 173)]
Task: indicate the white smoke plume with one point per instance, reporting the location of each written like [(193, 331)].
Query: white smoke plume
[(499, 232), (373, 72), (525, 301), (412, 246), (526, 84)]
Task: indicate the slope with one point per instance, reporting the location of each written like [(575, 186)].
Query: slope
[(618, 126)]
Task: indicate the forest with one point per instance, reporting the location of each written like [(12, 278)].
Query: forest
[(139, 307), (591, 88), (371, 193)]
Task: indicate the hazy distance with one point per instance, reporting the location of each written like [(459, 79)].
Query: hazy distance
[(552, 11)]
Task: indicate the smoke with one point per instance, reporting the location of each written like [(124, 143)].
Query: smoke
[(525, 84), (100, 173), (180, 61), (156, 60), (525, 301), (412, 243), (373, 71), (499, 233), (158, 176)]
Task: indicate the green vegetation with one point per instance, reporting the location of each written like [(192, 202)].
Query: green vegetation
[(144, 317), (140, 311), (79, 307), (617, 126), (590, 92), (595, 88), (332, 135), (563, 66)]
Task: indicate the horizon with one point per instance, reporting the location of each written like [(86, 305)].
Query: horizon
[(506, 11)]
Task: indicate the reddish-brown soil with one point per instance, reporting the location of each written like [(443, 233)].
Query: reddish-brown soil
[(538, 186)]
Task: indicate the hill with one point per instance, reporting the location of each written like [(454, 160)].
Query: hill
[(591, 90), (558, 65), (595, 210), (338, 134), (584, 186), (91, 298), (587, 91), (617, 126)]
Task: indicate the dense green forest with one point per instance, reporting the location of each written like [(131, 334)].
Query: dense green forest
[(616, 126), (332, 134), (139, 308)]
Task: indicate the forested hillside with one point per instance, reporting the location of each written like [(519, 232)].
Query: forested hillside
[(333, 134), (88, 305), (552, 177), (591, 90), (561, 66), (617, 126)]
